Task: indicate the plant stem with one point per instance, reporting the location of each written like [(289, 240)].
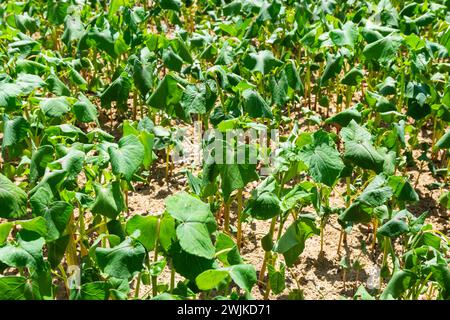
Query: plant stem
[(155, 259), (239, 222), (375, 228), (226, 216), (138, 286), (267, 253), (172, 276)]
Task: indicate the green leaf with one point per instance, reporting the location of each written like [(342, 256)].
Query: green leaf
[(332, 68), (211, 279), (194, 99), (56, 213), (255, 105), (374, 195), (346, 36), (292, 242), (353, 77), (56, 86), (143, 76), (402, 189), (383, 50), (242, 274), (85, 110), (73, 29), (97, 290), (24, 253), (172, 60), (401, 281), (261, 61), (393, 228), (265, 206), (322, 158), (227, 251), (56, 250), (14, 131), (344, 117), (168, 93), (127, 158), (38, 225), (444, 141), (55, 107), (194, 216), (39, 160), (170, 4), (15, 288), (122, 261), (359, 148), (109, 200), (13, 200), (194, 239), (188, 265), (236, 176), (57, 11), (143, 229), (277, 278), (8, 94), (117, 91), (5, 229)]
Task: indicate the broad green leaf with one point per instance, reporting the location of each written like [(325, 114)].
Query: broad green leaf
[(172, 60), (170, 4), (24, 253), (359, 148), (122, 261), (195, 239), (85, 110), (14, 131), (97, 290), (353, 77), (194, 216), (117, 91), (332, 68), (261, 61), (56, 213), (242, 274), (13, 200), (346, 36), (194, 99), (344, 117), (167, 94), (127, 158), (323, 159), (5, 229), (109, 200), (211, 279), (56, 86), (15, 288), (401, 280), (277, 278), (143, 229), (226, 250), (384, 49), (188, 265), (265, 206), (255, 105), (292, 242), (55, 107)]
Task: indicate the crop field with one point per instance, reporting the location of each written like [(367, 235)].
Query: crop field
[(224, 150)]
